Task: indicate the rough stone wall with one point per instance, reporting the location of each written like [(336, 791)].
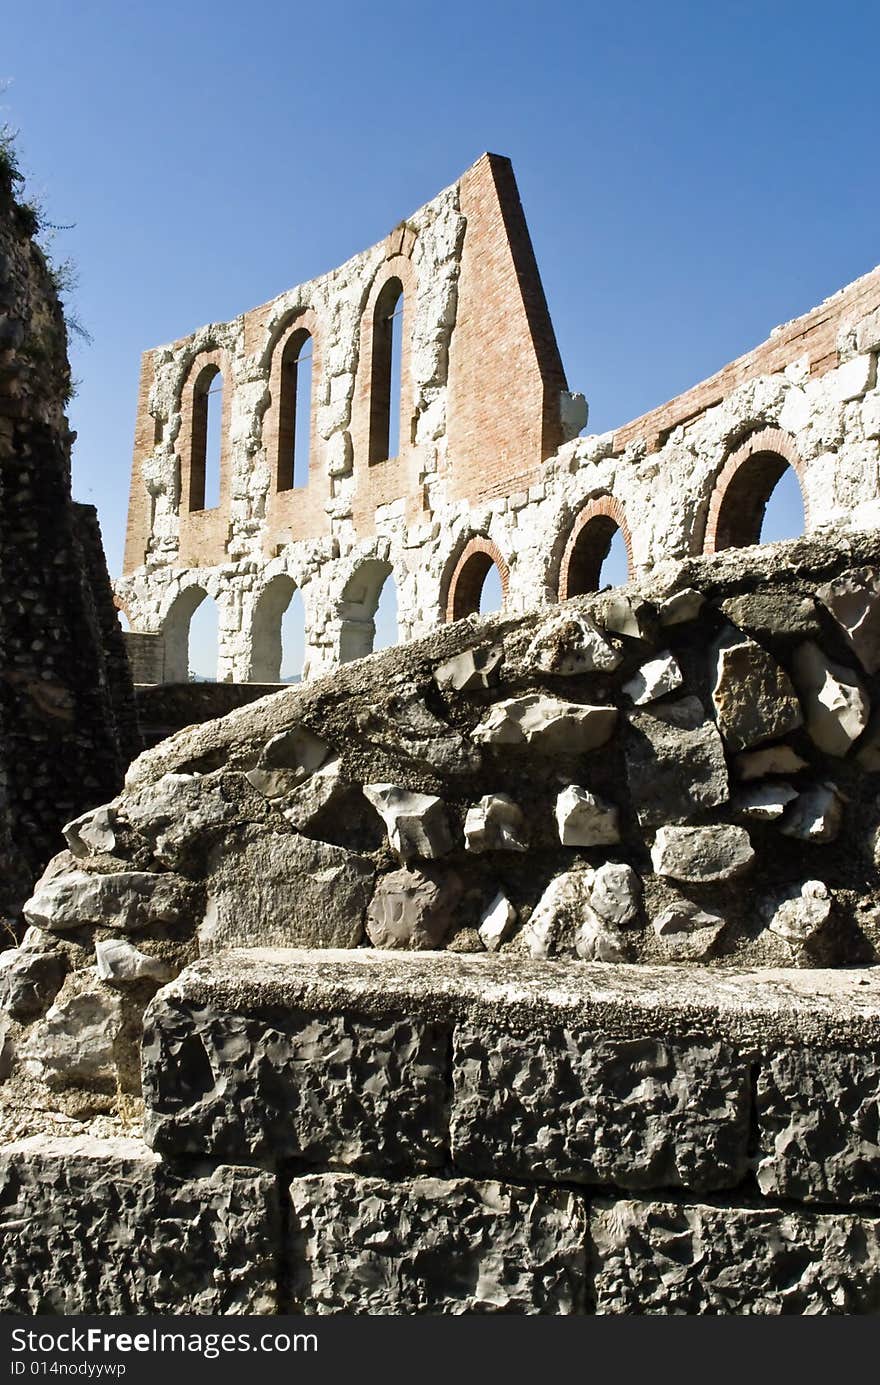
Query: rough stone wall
[(67, 727), (485, 414)]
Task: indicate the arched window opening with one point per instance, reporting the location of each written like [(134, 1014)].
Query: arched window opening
[(385, 375), (369, 611), (207, 440), (278, 635), (761, 503), (295, 412), (177, 637), (597, 558), (478, 586)]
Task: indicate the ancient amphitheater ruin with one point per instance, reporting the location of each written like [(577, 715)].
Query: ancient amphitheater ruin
[(529, 967)]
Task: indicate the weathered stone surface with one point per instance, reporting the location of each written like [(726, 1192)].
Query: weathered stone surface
[(630, 616), (327, 788), (279, 889), (771, 759), (496, 823), (401, 723), (558, 913), (836, 705), (416, 823), (569, 642), (471, 670), (816, 815), (614, 893), (819, 1126), (581, 911), (363, 1245), (229, 1081), (119, 962), (854, 601), (93, 832), (177, 811), (129, 901), (753, 696), (496, 921), (681, 607), (112, 1230), (585, 820), (800, 912), (687, 932), (7, 1049), (579, 1107), (702, 853), (597, 940), (654, 679), (675, 764), (765, 802), (678, 1258), (550, 726), (74, 1045), (29, 981), (413, 909)]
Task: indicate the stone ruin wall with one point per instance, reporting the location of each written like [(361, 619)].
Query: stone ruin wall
[(485, 473), (67, 719)]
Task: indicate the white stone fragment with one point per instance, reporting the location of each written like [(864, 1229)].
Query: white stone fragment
[(702, 853), (569, 643), (800, 913), (470, 670), (682, 607), (816, 816), (559, 911), (585, 820), (595, 940), (496, 922), (118, 961), (416, 823), (854, 601), (92, 832), (765, 802), (496, 823), (546, 723), (614, 894), (835, 703), (654, 679)]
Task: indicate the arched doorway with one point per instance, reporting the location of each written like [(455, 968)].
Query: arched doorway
[(191, 638), (479, 581), (369, 611), (278, 633)]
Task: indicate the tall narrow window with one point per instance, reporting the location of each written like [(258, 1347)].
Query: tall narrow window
[(385, 379), (207, 419), (295, 412)]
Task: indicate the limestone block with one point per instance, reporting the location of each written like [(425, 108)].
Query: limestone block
[(92, 832), (752, 695), (430, 1245), (128, 901), (676, 1258), (771, 759), (496, 823), (119, 962), (496, 921), (74, 1045), (111, 1230), (29, 981), (585, 820), (798, 913), (852, 379), (569, 642), (287, 760), (327, 788), (597, 940), (819, 1126), (675, 764), (836, 705), (765, 802), (416, 823), (654, 679), (816, 815), (550, 726), (227, 1080), (681, 607), (279, 889), (854, 601), (614, 892), (573, 1106), (687, 932), (177, 811), (470, 670), (558, 913), (702, 853), (413, 909)]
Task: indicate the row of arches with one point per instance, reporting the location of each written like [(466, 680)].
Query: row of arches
[(757, 498), (294, 382)]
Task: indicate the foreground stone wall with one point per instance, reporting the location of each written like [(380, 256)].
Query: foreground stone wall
[(67, 721), (358, 1132), (681, 771), (490, 467)]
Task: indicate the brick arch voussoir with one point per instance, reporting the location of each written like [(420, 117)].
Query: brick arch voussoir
[(476, 546), (761, 440), (602, 507)]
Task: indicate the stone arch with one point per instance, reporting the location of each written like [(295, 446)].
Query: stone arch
[(588, 545), (266, 628), (465, 583), (744, 485), (358, 606), (280, 422), (175, 630)]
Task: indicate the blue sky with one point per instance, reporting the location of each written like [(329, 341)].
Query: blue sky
[(692, 174)]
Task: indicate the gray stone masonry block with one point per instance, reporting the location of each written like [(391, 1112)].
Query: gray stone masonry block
[(577, 1107), (355, 1093), (363, 1245), (819, 1127), (676, 1258), (100, 1226)]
